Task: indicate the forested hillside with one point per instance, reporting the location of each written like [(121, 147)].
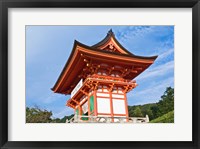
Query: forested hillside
[(166, 118), (155, 110)]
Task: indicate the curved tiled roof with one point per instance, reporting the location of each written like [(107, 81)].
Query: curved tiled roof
[(95, 49)]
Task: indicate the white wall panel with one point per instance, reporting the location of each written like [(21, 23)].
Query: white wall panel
[(119, 106), (85, 107), (105, 90), (106, 98), (103, 95), (117, 96), (120, 91), (103, 105)]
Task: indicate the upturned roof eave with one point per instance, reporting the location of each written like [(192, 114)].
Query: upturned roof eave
[(66, 65), (119, 54), (76, 44)]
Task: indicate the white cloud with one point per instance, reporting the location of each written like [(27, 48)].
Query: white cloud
[(51, 97), (63, 112), (165, 54), (157, 71), (152, 94), (133, 31), (156, 87)]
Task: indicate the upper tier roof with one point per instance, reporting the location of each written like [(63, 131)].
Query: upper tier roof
[(110, 40), (108, 51)]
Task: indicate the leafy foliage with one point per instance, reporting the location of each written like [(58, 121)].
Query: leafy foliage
[(36, 115), (137, 112), (155, 110), (166, 118)]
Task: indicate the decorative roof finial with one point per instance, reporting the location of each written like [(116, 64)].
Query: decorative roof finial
[(110, 32)]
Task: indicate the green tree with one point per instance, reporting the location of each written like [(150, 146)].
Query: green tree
[(36, 115), (155, 110), (63, 120), (149, 113), (137, 112), (166, 104), (166, 118)]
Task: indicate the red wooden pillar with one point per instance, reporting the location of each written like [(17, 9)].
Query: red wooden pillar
[(111, 106), (95, 103), (126, 106), (88, 98)]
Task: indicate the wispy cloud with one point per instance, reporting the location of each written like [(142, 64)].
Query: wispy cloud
[(158, 71), (50, 98), (151, 94), (63, 112), (165, 54), (133, 31)]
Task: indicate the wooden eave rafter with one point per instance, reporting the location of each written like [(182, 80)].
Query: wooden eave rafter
[(88, 50), (81, 50), (75, 101), (95, 82)]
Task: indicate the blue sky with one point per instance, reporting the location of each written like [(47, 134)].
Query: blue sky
[(48, 48)]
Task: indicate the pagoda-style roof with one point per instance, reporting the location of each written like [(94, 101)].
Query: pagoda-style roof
[(111, 40), (109, 54)]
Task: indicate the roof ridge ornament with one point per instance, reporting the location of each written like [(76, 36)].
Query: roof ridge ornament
[(110, 32)]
